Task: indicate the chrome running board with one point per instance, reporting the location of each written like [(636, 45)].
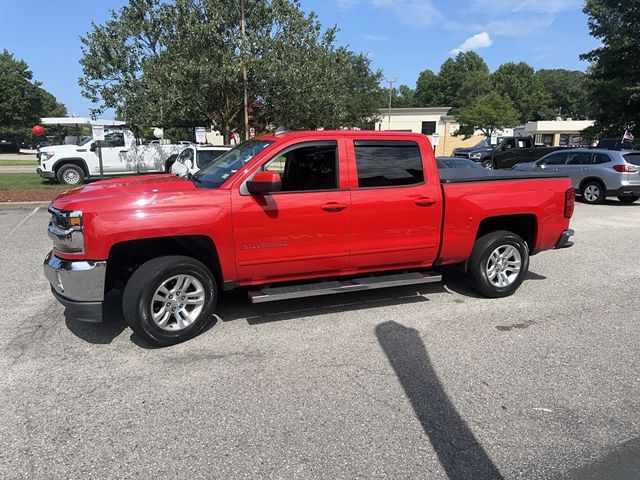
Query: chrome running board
[(271, 294)]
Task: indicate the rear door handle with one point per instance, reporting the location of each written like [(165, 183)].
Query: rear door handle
[(334, 207), (425, 202)]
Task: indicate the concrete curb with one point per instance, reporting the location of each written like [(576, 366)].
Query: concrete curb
[(17, 205)]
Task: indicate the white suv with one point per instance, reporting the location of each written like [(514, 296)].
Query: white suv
[(195, 157)]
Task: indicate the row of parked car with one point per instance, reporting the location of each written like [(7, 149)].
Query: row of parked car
[(596, 173)]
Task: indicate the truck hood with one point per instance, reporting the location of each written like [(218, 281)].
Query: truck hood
[(470, 150), (58, 149), (123, 193)]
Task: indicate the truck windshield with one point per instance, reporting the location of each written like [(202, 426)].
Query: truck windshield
[(220, 169)]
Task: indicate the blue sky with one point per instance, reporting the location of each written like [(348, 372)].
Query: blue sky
[(402, 37)]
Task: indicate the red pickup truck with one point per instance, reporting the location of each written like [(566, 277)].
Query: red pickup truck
[(292, 215)]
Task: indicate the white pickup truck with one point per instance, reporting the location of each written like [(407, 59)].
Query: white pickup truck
[(121, 155)]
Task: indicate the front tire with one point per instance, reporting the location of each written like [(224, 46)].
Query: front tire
[(628, 198), (498, 263), (70, 174), (593, 192), (169, 299), (488, 164)]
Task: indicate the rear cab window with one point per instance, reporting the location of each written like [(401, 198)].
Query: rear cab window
[(388, 163), (633, 158)]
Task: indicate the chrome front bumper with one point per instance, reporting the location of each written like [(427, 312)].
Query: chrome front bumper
[(81, 281)]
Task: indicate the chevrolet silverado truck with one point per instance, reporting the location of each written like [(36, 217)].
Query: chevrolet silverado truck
[(293, 215), (509, 151)]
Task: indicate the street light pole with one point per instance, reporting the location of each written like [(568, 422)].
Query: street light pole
[(243, 34), (391, 82)]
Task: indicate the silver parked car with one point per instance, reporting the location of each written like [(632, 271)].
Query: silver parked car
[(595, 173)]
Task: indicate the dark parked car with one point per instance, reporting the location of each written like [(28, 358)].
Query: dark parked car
[(509, 151), (453, 162), (618, 144)]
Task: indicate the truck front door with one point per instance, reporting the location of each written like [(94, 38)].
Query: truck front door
[(396, 205), (302, 230), (114, 150)]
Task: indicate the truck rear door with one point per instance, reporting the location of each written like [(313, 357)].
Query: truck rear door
[(396, 203)]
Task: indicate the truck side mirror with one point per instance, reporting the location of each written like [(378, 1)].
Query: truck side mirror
[(93, 146), (264, 182)]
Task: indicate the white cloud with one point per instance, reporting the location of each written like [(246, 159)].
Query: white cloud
[(414, 13), (543, 6), (374, 38), (479, 40)]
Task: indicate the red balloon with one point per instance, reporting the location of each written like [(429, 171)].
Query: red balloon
[(37, 130)]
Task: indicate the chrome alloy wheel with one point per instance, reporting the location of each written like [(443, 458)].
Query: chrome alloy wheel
[(503, 265), (592, 193), (177, 302), (71, 176)]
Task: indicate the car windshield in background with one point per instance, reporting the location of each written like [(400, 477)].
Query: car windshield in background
[(482, 143), (205, 157), (221, 168)]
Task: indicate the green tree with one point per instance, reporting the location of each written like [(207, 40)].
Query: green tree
[(519, 82), (427, 93), (487, 113), (567, 92), (22, 100), (614, 75), (454, 72), (181, 63)]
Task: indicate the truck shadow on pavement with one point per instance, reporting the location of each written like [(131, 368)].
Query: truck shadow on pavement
[(458, 451)]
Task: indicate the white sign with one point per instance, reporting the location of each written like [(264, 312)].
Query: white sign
[(494, 139), (201, 135), (435, 138), (97, 132)]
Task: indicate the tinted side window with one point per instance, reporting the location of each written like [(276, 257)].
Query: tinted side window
[(307, 167), (554, 159), (601, 158), (388, 164), (113, 139), (524, 143), (579, 158)]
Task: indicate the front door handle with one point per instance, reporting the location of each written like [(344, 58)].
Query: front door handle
[(425, 201), (334, 207)]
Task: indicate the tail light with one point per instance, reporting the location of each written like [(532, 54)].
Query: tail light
[(625, 168), (569, 202)]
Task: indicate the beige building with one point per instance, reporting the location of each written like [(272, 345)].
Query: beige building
[(427, 120), (555, 133)]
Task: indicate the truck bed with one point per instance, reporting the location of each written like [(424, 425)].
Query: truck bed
[(468, 175)]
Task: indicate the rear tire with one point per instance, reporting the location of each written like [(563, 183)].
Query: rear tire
[(628, 199), (498, 264), (170, 299), (70, 174), (593, 192)]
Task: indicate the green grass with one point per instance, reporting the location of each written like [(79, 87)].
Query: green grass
[(14, 162), (28, 181)]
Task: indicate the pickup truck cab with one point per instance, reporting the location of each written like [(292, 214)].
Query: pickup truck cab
[(121, 155), (509, 151), (296, 214)]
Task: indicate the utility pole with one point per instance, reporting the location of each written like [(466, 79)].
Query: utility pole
[(243, 35), (391, 82)]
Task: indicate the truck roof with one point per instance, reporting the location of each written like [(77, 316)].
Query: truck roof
[(373, 134)]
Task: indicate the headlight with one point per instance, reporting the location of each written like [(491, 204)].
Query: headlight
[(46, 155), (475, 156), (66, 231)]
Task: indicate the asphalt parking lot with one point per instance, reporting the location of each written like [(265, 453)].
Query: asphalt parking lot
[(430, 382)]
